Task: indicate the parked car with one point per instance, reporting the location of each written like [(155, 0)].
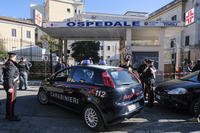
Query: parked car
[(181, 93), (103, 95)]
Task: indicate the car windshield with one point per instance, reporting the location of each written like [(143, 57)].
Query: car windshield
[(123, 77), (191, 77)]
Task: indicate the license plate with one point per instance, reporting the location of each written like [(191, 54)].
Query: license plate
[(133, 107), (158, 97)]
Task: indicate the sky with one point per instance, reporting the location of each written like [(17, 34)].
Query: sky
[(20, 8)]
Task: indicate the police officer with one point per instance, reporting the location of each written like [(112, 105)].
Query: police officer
[(150, 81), (141, 71), (10, 77)]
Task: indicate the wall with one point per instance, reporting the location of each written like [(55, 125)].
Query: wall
[(21, 40), (58, 10)]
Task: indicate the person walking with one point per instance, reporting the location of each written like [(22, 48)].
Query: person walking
[(141, 72), (150, 77), (24, 68), (10, 78)]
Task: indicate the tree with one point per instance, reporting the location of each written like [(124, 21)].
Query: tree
[(3, 52), (86, 49), (53, 43)]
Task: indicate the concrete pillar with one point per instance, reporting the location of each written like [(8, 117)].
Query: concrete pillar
[(178, 48), (121, 49), (65, 52), (161, 51), (128, 37), (61, 50)]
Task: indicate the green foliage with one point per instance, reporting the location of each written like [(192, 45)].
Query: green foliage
[(3, 52), (53, 43), (86, 49)]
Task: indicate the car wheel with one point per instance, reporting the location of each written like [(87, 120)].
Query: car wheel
[(92, 118), (195, 107), (42, 97)]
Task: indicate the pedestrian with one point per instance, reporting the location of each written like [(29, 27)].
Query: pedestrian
[(141, 72), (150, 77), (91, 61), (11, 77), (24, 68), (60, 65), (197, 66), (127, 65), (102, 61)]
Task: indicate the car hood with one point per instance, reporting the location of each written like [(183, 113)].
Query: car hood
[(169, 85)]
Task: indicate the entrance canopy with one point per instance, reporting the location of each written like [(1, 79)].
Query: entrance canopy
[(105, 30)]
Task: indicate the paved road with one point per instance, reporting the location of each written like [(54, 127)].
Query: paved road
[(37, 118)]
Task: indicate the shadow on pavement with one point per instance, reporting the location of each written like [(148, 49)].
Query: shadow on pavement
[(51, 118)]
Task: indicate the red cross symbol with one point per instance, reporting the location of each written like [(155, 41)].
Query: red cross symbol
[(190, 17)]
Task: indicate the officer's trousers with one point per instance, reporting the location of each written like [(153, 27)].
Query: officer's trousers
[(10, 103), (149, 89)]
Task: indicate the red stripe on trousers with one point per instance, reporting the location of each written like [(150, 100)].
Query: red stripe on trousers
[(11, 102)]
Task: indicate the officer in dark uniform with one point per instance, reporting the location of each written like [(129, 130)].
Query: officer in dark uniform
[(141, 71), (150, 81), (10, 78)]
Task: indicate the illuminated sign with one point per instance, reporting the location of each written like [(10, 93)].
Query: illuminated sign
[(111, 24), (189, 17), (38, 18)]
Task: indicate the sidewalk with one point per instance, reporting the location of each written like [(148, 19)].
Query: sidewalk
[(30, 83)]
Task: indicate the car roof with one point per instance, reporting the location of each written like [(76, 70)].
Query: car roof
[(103, 67)]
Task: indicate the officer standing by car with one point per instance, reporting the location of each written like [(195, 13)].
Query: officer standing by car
[(24, 68), (150, 81), (11, 76), (141, 72)]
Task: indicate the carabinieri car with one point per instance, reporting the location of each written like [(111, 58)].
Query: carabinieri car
[(181, 93), (104, 95)]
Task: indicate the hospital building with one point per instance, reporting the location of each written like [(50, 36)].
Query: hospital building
[(154, 35)]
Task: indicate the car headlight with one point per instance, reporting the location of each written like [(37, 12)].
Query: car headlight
[(178, 91)]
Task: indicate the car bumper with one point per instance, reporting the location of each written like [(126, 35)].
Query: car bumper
[(123, 111), (172, 100)]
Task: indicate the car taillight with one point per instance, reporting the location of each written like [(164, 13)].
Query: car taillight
[(107, 80)]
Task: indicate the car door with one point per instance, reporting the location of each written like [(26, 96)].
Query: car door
[(80, 81), (58, 84)]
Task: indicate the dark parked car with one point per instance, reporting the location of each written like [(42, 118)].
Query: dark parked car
[(104, 95), (181, 93)]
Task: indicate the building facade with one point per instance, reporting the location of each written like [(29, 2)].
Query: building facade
[(184, 46), (61, 10), (16, 34)]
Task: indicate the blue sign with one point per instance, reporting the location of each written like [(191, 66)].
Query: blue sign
[(111, 24)]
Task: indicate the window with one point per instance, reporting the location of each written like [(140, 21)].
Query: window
[(172, 43), (159, 19), (75, 11), (183, 17), (83, 75), (68, 10), (14, 32), (174, 18), (101, 47), (173, 58), (62, 75), (108, 48), (28, 34), (187, 40), (121, 77)]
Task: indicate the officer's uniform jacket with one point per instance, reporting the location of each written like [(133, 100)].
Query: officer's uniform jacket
[(10, 74)]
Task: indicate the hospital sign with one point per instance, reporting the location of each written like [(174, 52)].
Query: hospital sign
[(111, 24)]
